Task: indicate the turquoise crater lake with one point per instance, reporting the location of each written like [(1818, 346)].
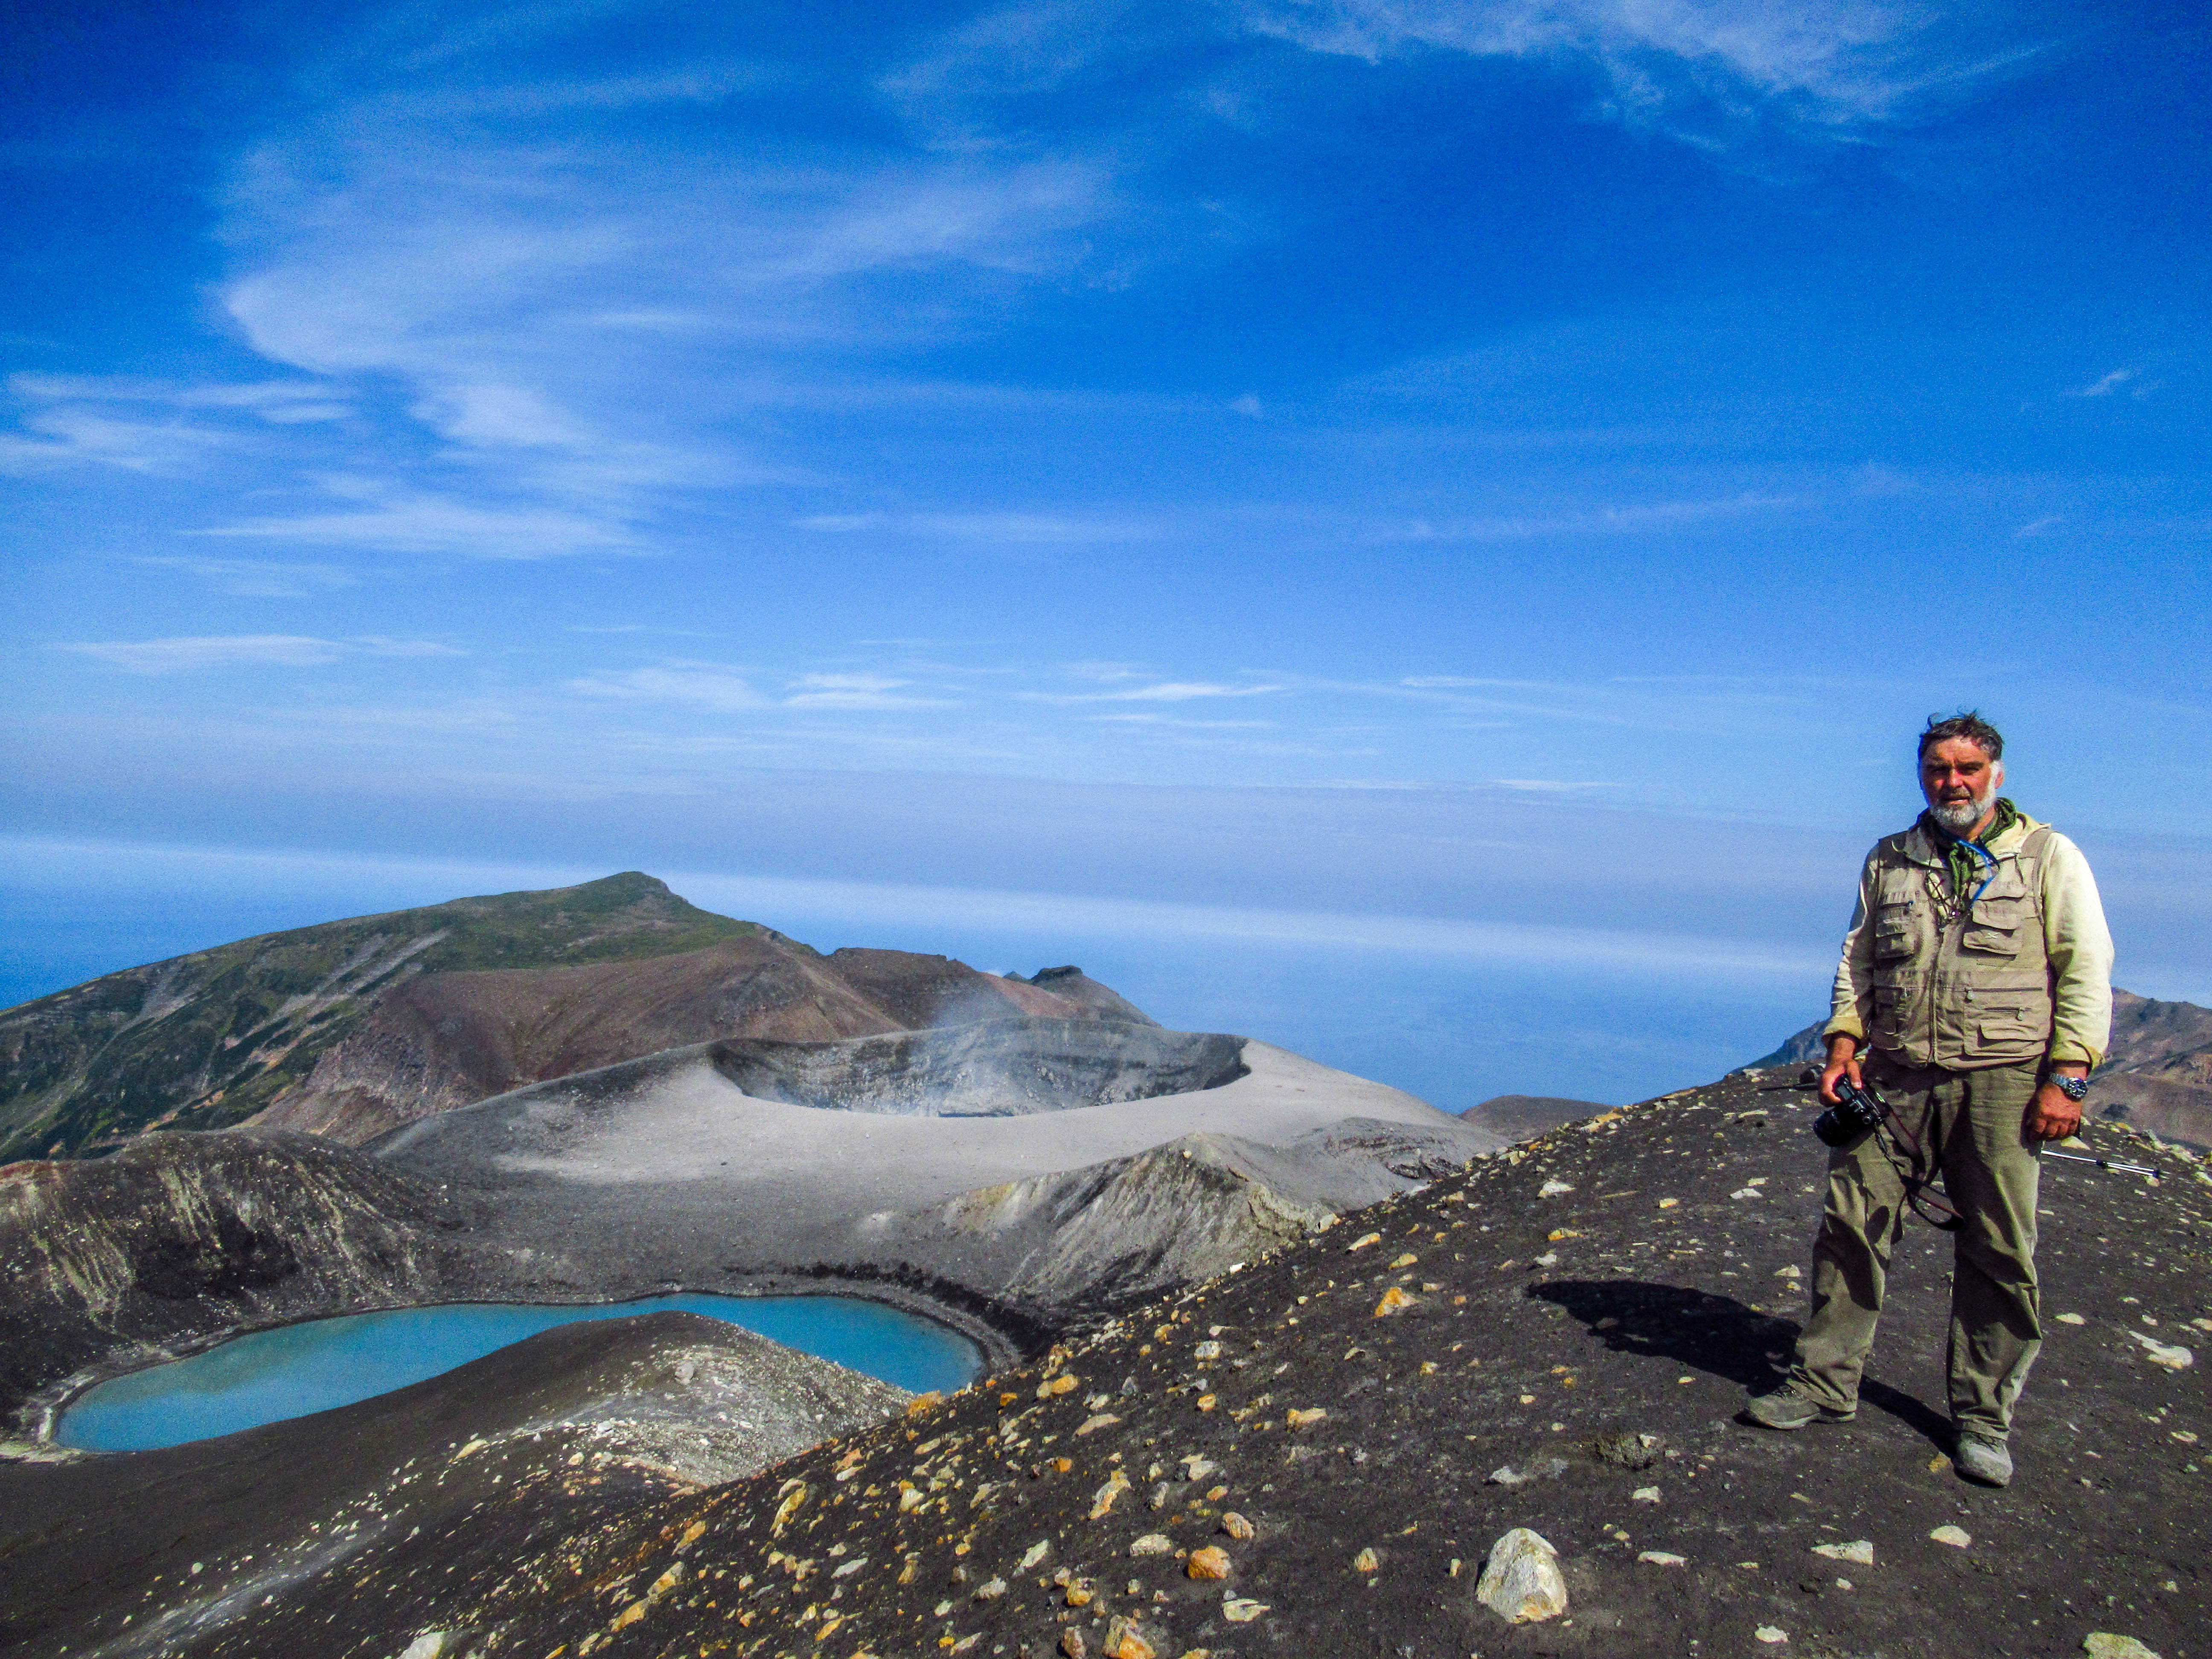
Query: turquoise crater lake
[(294, 1369)]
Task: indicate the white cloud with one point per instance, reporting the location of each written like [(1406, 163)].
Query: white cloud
[(1549, 786), (704, 685), (2129, 380), (1011, 529), (1635, 518), (1158, 691), (393, 519), (856, 691), (246, 651), (1818, 64), (256, 578)]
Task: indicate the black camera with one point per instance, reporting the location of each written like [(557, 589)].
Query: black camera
[(1856, 1111)]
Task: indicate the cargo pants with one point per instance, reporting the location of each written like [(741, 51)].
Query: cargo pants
[(1973, 1126)]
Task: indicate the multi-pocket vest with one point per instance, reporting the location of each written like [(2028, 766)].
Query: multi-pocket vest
[(1960, 982)]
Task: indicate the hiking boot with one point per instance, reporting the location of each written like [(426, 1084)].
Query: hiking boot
[(1786, 1408), (1984, 1462)]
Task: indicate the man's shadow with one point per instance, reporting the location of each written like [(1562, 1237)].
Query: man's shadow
[(1713, 1333)]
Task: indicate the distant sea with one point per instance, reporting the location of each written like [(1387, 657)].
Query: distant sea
[(1453, 1022)]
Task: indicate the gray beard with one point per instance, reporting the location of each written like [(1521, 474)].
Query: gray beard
[(1959, 817)]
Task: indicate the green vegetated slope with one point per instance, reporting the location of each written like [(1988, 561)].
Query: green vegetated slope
[(208, 1039)]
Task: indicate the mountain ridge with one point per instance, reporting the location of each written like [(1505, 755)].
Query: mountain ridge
[(349, 1029)]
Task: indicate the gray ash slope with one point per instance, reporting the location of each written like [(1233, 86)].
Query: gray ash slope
[(139, 1552), (1561, 1307), (1059, 1167)]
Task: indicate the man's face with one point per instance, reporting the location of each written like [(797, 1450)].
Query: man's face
[(1961, 783)]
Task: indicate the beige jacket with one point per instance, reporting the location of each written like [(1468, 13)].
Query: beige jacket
[(2023, 973)]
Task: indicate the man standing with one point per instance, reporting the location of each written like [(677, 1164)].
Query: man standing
[(1974, 996)]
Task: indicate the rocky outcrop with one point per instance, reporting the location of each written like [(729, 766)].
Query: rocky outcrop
[(1006, 1068), (181, 1238)]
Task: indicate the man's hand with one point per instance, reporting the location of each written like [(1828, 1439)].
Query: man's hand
[(2051, 1115), (1843, 1062)]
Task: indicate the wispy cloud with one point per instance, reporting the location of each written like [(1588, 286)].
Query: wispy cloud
[(389, 518), (857, 691), (1011, 529), (1632, 518), (1698, 68), (2129, 380), (704, 685), (246, 651), (1157, 691), (1549, 786), (256, 578)]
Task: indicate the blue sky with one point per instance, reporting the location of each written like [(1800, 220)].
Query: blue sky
[(1523, 466)]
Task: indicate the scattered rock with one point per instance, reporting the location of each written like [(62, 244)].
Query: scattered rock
[(1861, 1552), (1302, 1418), (1197, 1468), (1552, 1188), (1521, 1580), (1366, 1561), (1211, 1562), (991, 1589), (2172, 1356), (1065, 1382), (1153, 1543), (1661, 1558), (1771, 1633), (1240, 1609), (1101, 1420), (437, 1644), (1645, 1495), (1405, 1260), (1125, 1639), (2103, 1644), (1394, 1301), (1207, 1350), (1102, 1501), (1072, 1644), (1957, 1537), (1362, 1241), (1626, 1450), (2072, 1319), (1035, 1553), (1237, 1527)]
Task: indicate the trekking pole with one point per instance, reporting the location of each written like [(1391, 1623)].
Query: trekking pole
[(2103, 1163)]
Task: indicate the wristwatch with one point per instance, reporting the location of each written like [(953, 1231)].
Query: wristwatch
[(2075, 1089)]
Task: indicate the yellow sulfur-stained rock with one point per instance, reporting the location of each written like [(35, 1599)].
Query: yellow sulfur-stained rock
[(1211, 1562), (1394, 1301)]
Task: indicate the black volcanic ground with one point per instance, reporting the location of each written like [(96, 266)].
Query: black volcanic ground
[(1544, 1327)]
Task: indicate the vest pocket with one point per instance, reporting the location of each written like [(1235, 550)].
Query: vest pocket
[(1892, 933), (2006, 1025), (1994, 927)]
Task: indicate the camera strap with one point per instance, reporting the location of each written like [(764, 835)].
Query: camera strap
[(1931, 1206)]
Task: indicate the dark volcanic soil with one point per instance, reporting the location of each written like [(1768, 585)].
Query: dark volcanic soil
[(1626, 1278), (135, 1552)]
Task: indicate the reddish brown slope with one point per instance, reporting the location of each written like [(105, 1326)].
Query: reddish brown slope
[(445, 1040)]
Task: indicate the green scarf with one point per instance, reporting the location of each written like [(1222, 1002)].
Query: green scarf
[(1966, 869)]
